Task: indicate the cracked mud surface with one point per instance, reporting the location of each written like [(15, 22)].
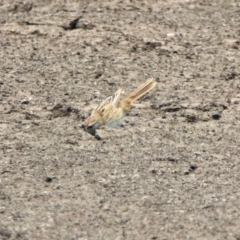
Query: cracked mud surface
[(172, 172)]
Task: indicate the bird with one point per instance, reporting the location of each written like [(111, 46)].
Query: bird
[(112, 111)]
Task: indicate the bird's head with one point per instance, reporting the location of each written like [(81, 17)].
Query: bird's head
[(92, 123)]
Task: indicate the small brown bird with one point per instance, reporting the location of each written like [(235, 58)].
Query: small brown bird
[(111, 111)]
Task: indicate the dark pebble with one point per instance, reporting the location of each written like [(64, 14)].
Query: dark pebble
[(216, 116)]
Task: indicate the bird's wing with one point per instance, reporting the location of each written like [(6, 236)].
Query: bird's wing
[(114, 100)]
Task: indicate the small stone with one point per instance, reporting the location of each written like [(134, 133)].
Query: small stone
[(235, 100), (171, 35), (49, 179), (193, 167), (216, 115), (2, 209), (153, 171)]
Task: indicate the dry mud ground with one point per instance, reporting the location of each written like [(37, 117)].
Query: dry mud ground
[(172, 172)]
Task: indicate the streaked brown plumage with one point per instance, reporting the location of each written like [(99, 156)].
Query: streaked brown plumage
[(111, 111)]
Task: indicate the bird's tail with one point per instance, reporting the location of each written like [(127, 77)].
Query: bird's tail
[(139, 92)]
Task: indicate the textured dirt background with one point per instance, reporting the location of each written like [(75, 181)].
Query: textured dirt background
[(172, 172)]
